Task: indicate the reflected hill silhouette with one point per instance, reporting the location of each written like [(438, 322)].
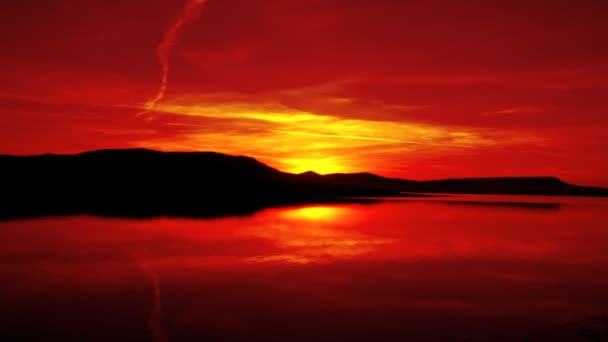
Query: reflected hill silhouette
[(544, 206), (143, 183)]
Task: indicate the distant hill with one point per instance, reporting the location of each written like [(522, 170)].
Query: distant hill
[(141, 182), (548, 186)]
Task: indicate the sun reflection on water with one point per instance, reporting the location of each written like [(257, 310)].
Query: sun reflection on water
[(315, 234), (316, 213)]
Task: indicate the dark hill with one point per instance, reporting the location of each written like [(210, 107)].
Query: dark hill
[(141, 182), (549, 186)]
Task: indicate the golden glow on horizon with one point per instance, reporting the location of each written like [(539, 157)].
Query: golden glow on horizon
[(322, 165), (297, 141)]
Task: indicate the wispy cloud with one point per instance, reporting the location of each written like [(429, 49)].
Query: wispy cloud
[(520, 110), (298, 141)]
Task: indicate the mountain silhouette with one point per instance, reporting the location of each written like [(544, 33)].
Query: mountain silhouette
[(142, 182), (548, 186)]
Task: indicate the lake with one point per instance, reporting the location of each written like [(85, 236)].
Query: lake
[(449, 268)]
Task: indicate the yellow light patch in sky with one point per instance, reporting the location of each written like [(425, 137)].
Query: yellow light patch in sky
[(298, 141)]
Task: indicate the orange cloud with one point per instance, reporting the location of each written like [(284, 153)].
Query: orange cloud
[(298, 141)]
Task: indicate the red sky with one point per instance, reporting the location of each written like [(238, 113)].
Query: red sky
[(414, 89)]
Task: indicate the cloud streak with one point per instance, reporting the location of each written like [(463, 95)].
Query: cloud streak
[(163, 52)]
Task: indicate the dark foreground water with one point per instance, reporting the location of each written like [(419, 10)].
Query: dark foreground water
[(480, 268)]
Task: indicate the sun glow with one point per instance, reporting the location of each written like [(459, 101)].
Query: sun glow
[(297, 141), (322, 165)]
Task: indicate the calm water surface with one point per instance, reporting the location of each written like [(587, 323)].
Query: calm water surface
[(458, 268)]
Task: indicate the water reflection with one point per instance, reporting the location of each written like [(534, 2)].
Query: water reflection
[(314, 234), (317, 214), (407, 270)]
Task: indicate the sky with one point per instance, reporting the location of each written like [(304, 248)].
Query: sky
[(412, 89)]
